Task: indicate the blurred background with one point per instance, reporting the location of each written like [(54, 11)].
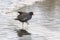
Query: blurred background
[(44, 25)]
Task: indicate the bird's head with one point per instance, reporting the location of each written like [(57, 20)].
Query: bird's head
[(31, 13)]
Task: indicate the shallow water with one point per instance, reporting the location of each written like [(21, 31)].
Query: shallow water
[(44, 25)]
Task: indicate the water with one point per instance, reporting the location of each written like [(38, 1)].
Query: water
[(45, 24)]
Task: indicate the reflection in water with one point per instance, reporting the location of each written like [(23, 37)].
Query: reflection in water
[(26, 37), (32, 37)]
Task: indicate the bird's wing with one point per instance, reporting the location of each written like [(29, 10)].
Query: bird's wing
[(23, 16), (27, 17)]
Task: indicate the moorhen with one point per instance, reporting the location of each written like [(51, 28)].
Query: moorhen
[(24, 17)]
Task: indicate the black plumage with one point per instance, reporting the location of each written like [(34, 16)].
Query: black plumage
[(24, 16)]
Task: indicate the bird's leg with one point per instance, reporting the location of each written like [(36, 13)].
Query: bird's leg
[(27, 25), (22, 25)]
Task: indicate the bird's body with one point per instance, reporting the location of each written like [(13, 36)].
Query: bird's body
[(24, 16)]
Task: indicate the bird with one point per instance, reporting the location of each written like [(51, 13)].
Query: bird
[(24, 17)]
